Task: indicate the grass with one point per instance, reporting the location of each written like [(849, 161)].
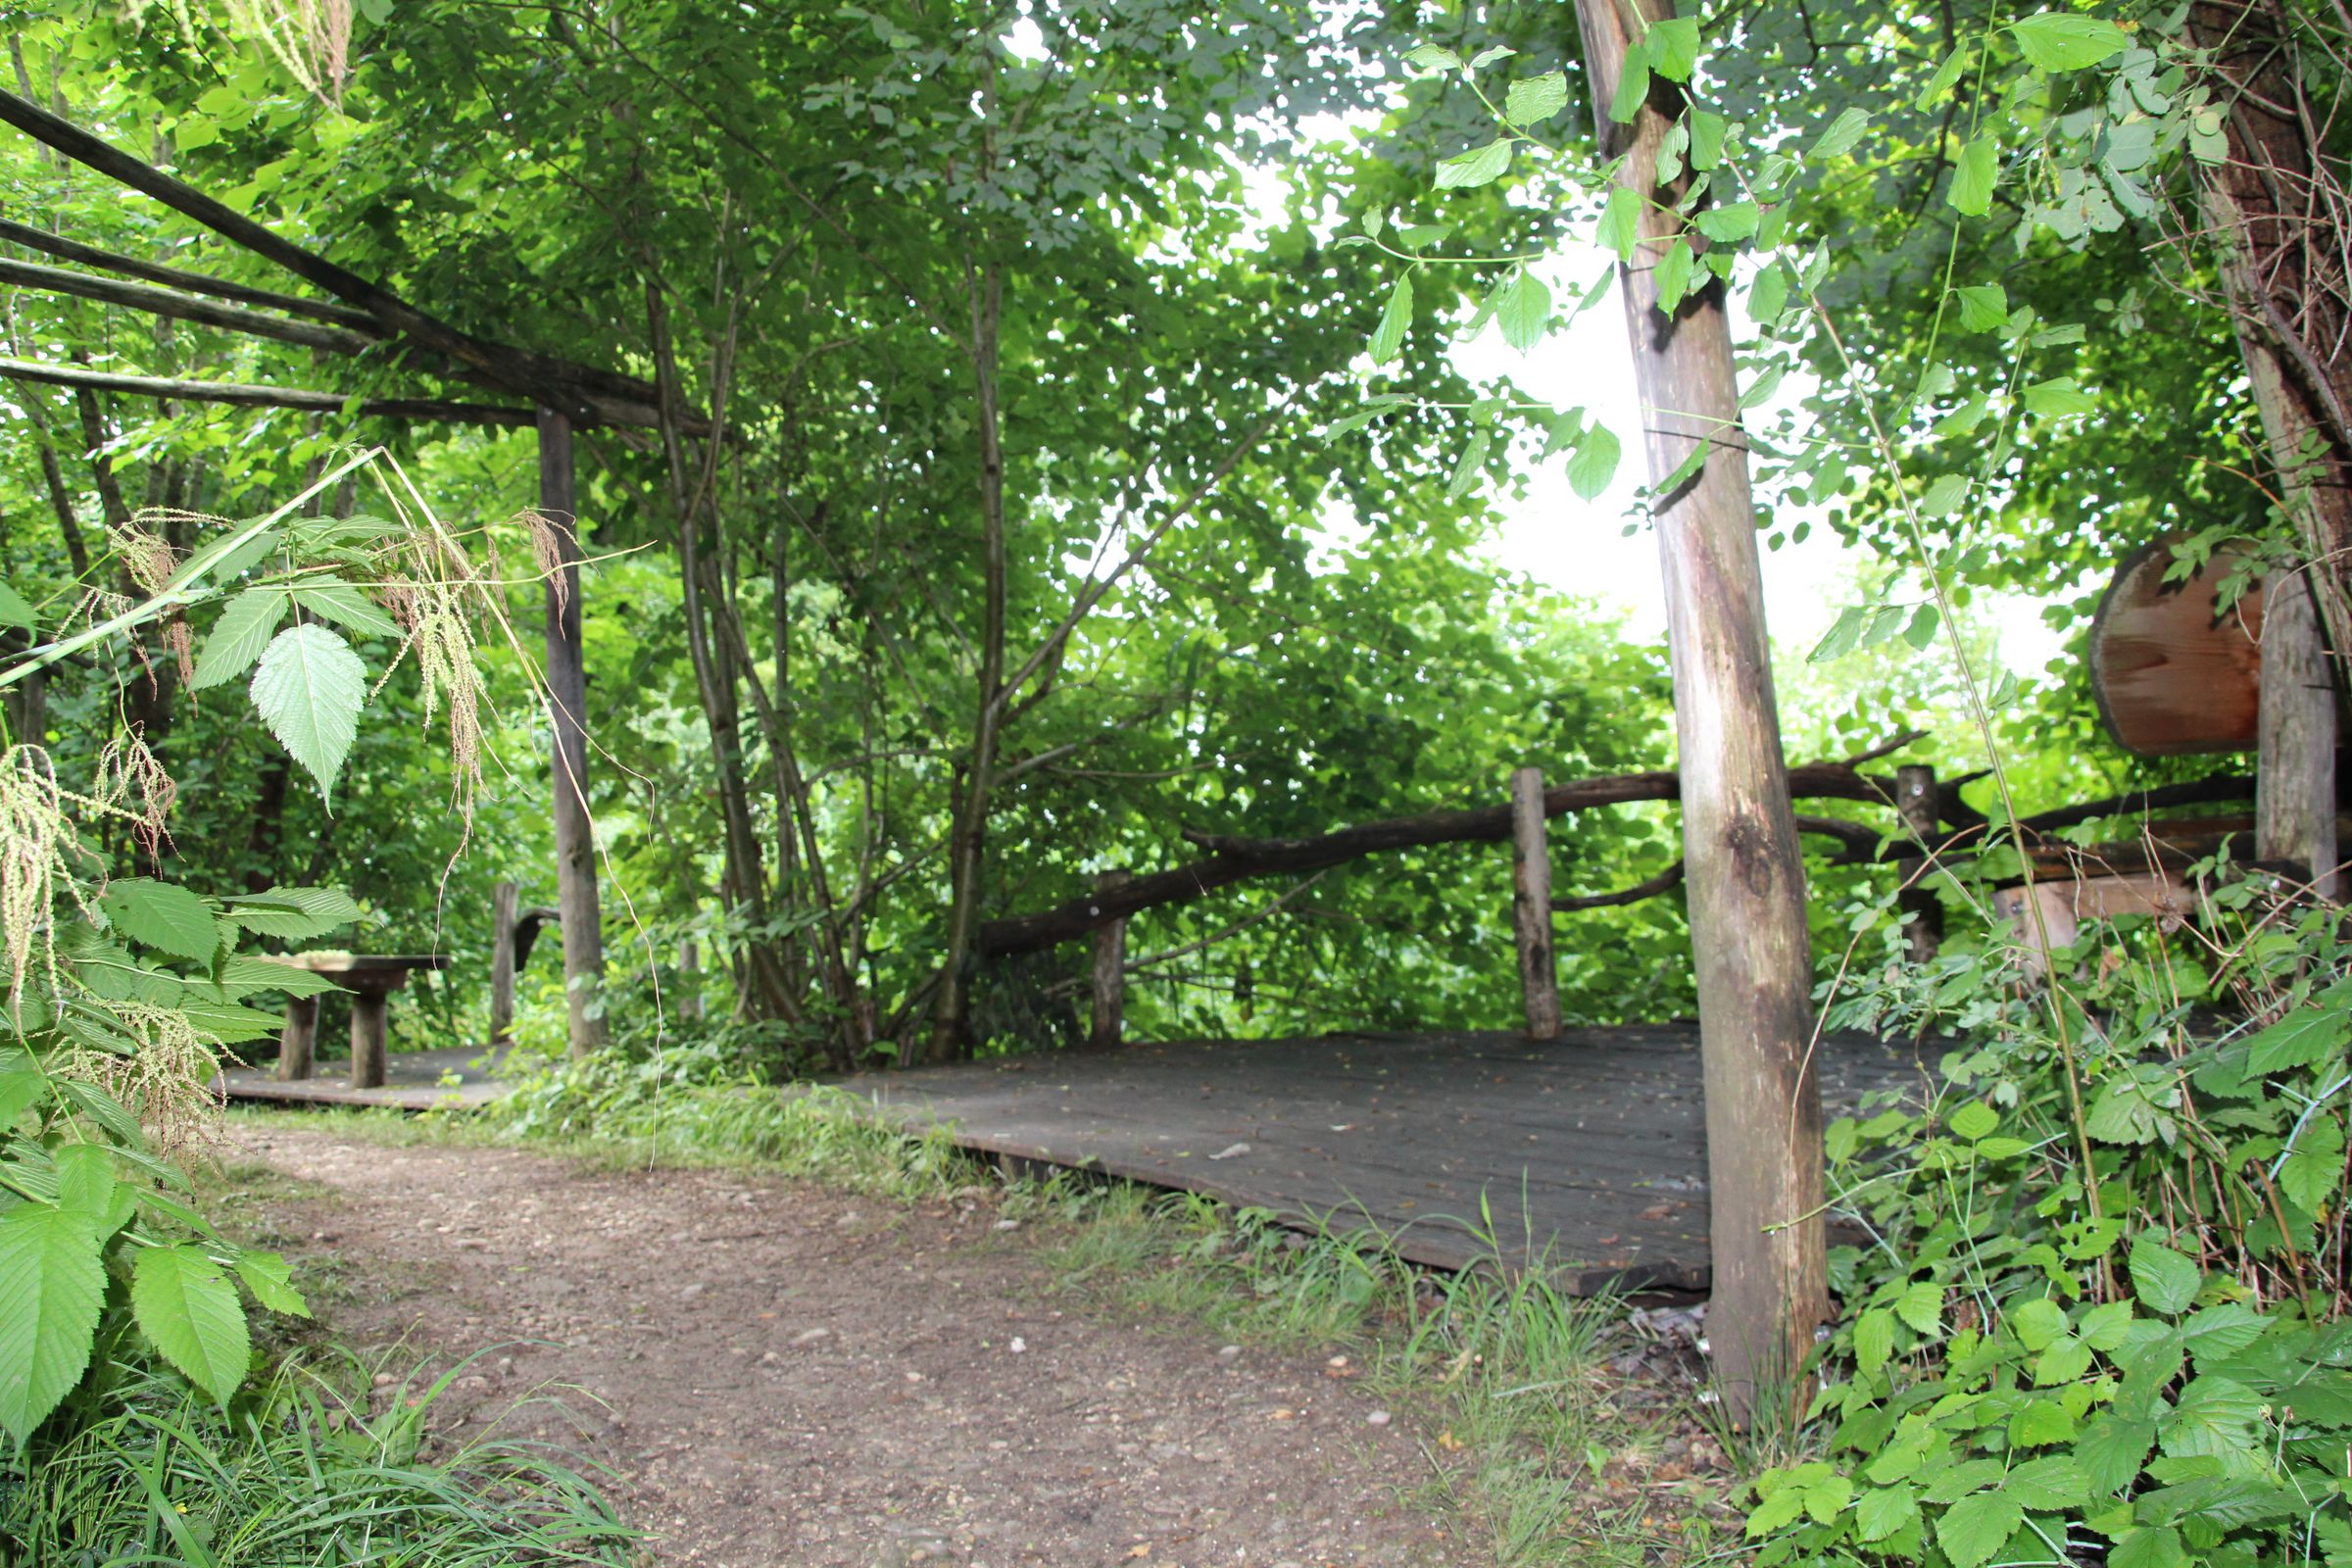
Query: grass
[(1534, 1446), (310, 1465)]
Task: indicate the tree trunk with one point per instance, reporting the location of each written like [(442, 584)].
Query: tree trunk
[(1915, 795), (1531, 905), (1745, 874), (2290, 304), (1107, 1025), (504, 898), (567, 704), (970, 831)]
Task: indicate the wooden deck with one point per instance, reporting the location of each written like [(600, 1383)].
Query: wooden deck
[(413, 1081), (1585, 1157)]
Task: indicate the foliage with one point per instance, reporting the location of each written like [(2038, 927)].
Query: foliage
[(308, 1465)]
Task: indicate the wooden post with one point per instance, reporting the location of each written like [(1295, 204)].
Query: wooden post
[(690, 981), (567, 700), (1531, 906), (1753, 960), (298, 1040), (1109, 1021), (2294, 770), (1923, 912), (503, 898), (369, 1044)]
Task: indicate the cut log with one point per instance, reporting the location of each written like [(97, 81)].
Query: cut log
[(2173, 674), (1531, 906)]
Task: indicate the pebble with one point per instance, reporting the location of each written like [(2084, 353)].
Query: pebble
[(692, 1291), (1009, 1225), (812, 1336), (1378, 1418), (1019, 1345), (1229, 1353), (384, 1380)]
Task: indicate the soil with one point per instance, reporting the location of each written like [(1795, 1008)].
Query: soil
[(777, 1375)]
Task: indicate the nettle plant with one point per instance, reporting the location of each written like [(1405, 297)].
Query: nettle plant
[(121, 991), (2101, 1314)]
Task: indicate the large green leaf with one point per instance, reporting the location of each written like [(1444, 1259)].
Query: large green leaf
[(241, 977), (51, 1287), (270, 1279), (293, 914), (2060, 40), (2163, 1279), (309, 690), (343, 604), (1972, 1529), (14, 611), (1595, 464), (162, 915), (238, 637), (189, 1311)]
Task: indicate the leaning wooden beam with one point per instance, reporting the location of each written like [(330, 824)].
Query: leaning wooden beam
[(261, 397), (187, 282), (583, 393), (1665, 881), (1234, 859), (185, 308), (2200, 792)]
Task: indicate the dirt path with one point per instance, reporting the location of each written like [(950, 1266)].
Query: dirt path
[(784, 1375)]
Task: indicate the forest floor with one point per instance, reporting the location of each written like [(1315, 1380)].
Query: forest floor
[(776, 1374)]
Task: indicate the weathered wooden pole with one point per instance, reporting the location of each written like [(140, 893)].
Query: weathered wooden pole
[(2294, 768), (1753, 963), (567, 701), (503, 904), (690, 981), (370, 1039), (298, 1040), (1922, 820), (1107, 1023), (1531, 905)]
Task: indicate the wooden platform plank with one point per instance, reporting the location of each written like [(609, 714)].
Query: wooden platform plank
[(413, 1080), (1584, 1156)]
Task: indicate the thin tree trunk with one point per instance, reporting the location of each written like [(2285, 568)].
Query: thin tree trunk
[(567, 700), (966, 845), (1745, 874), (2281, 248)]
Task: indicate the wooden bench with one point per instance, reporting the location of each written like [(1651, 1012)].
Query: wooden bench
[(370, 980)]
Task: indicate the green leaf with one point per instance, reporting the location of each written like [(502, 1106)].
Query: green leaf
[(1874, 1339), (238, 637), (2058, 399), (1972, 1529), (162, 915), (14, 611), (1883, 1510), (2061, 40), (1523, 310), (1594, 465), (345, 605), (1946, 76), (1432, 57), (2148, 1548), (293, 914), (2221, 1331), (1480, 166), (1620, 225), (1472, 468), (1921, 1305), (1973, 176), (1844, 132), (1843, 636), (1707, 134), (2163, 1279), (1672, 276), (241, 977), (51, 1288), (2049, 1484), (1975, 1119), (2302, 1038), (1770, 296), (2214, 1417), (309, 690), (1536, 99), (1633, 85), (2314, 1166), (1388, 338), (2113, 1451), (1673, 47), (1729, 224), (2037, 1323), (270, 1279), (190, 1312), (86, 1179), (1984, 307), (104, 1109), (21, 1088)]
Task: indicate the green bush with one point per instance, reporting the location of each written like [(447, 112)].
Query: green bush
[(2102, 1309)]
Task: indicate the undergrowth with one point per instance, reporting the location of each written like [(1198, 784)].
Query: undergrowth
[(311, 1464)]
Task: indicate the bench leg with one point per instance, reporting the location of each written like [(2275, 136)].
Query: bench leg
[(367, 1040), (297, 1040)]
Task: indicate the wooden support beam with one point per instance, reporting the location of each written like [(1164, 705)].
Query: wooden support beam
[(582, 393), (264, 397), (504, 900), (2294, 773), (186, 308), (567, 708), (1745, 874), (298, 1040), (1915, 797), (71, 250), (1107, 1025), (1531, 906)]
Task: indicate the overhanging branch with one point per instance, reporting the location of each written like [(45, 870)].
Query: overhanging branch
[(262, 397)]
